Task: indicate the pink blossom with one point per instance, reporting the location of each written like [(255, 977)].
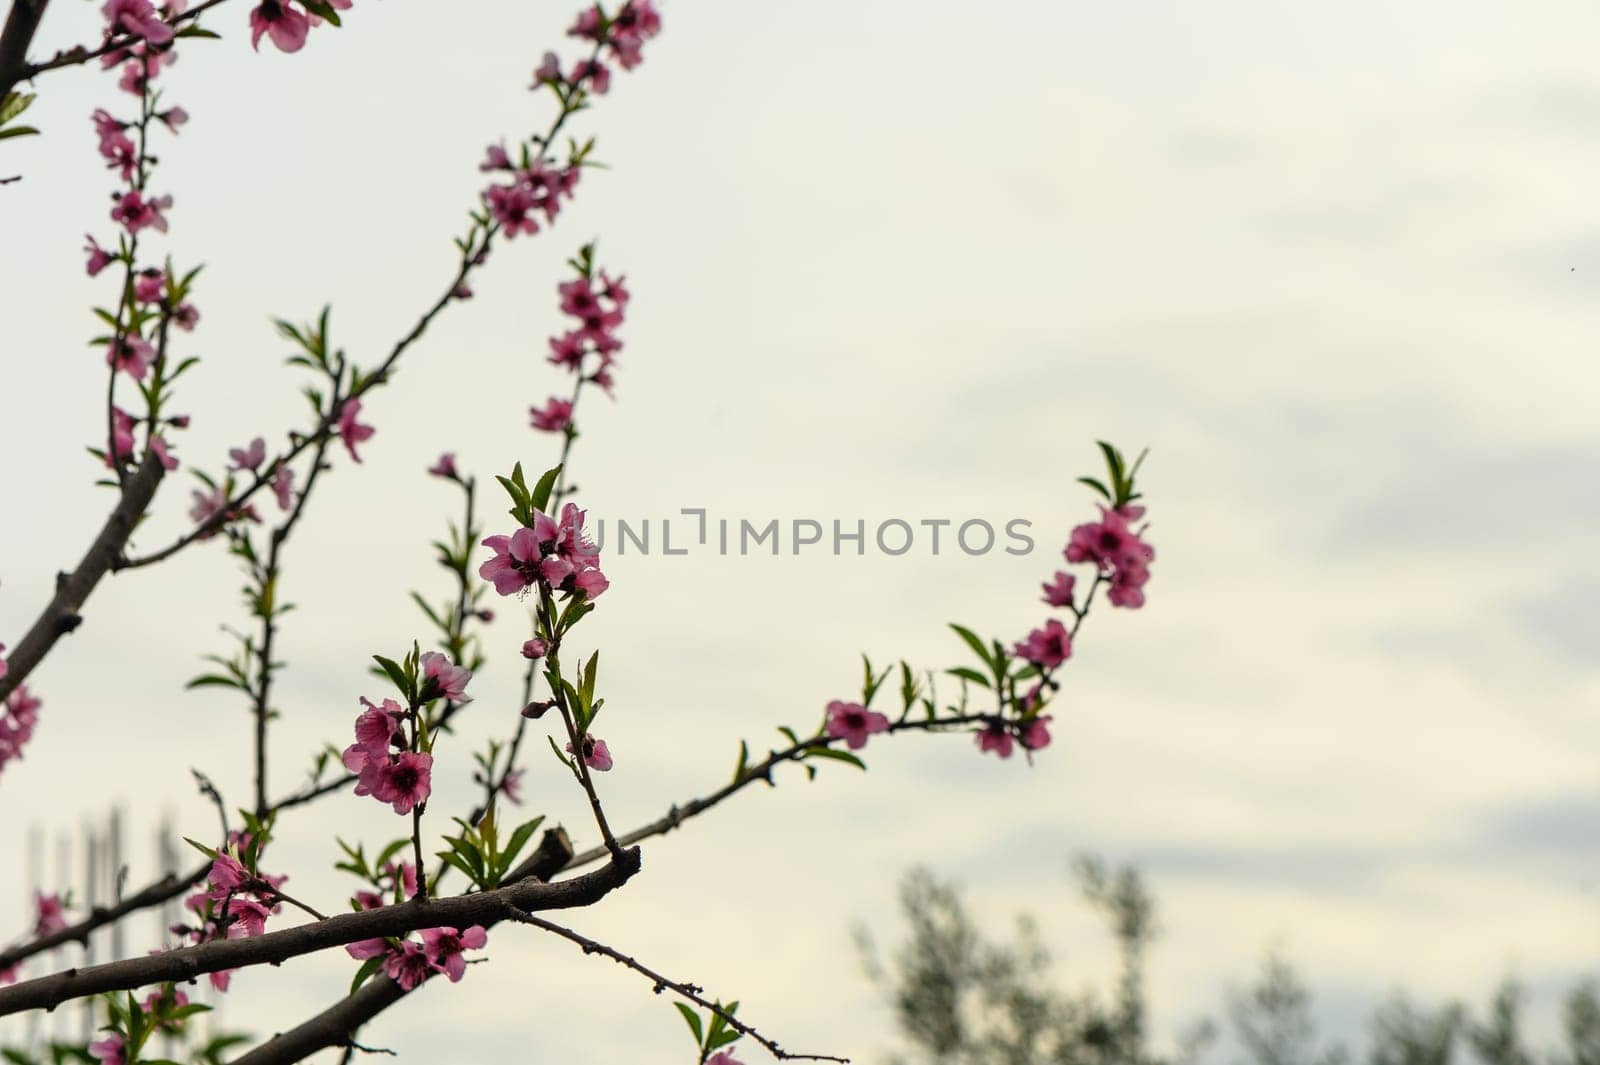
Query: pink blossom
[(587, 25), (1036, 732), (207, 505), (122, 424), (248, 458), (512, 206), (99, 258), (173, 117), (159, 448), (362, 949), (511, 787), (723, 1057), (515, 565), (131, 354), (286, 25), (445, 467), (283, 485), (133, 212), (1119, 552), (615, 290), (377, 729), (4, 668), (1058, 591), (105, 125), (554, 417), (185, 316), (227, 876), (149, 285), (10, 974), (49, 914), (495, 159), (531, 649), (1046, 647), (443, 947), (120, 154), (568, 349), (19, 716), (407, 966), (549, 70), (109, 1051), (404, 876), (137, 17), (853, 723), (596, 755), (351, 431), (405, 782), (441, 679), (997, 738), (596, 73)]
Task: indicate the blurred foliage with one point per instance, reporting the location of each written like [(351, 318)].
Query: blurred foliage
[(959, 998)]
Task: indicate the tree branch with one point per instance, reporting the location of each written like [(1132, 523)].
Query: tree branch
[(61, 615), (187, 963), (21, 24), (337, 1025)]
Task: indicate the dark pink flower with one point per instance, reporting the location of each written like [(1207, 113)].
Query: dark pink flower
[(133, 212), (549, 70), (568, 350), (1036, 732), (593, 73), (99, 258), (405, 782), (185, 316), (173, 117), (1058, 591), (554, 417), (515, 565), (445, 467), (596, 755), (351, 431), (284, 24), (1046, 647), (122, 424), (132, 355), (248, 458), (362, 949), (442, 679), (10, 974), (443, 947), (531, 649), (512, 206), (853, 723), (49, 914), (997, 738), (408, 965), (495, 159), (149, 285), (120, 154)]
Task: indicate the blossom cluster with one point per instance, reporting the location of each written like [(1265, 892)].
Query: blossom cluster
[(556, 557), (400, 777), (1117, 550), (618, 37), (598, 310), (408, 962), (234, 904), (532, 188), (19, 715)]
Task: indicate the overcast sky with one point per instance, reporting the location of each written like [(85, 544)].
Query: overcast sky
[(1335, 265)]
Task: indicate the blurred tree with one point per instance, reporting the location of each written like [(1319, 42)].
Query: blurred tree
[(960, 999)]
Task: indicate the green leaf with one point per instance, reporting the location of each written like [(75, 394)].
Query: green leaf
[(744, 761), (973, 642), (519, 839), (970, 674), (202, 848), (213, 680), (1098, 487), (363, 974), (456, 863), (14, 104), (692, 1019), (542, 490), (196, 31), (835, 755), (396, 674), (17, 131)]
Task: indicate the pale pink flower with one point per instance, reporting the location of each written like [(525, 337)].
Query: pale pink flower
[(549, 70), (109, 1051), (186, 316), (362, 949), (596, 755), (248, 458), (853, 723), (283, 485), (495, 158), (443, 947), (286, 25), (173, 117), (511, 787), (531, 649), (441, 679), (137, 17), (159, 447), (149, 285), (723, 1057)]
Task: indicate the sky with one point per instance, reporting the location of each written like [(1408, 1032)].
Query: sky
[(1334, 266)]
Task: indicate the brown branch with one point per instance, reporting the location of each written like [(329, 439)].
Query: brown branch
[(168, 887), (187, 963), (337, 1025), (21, 24), (82, 53), (61, 615), (693, 992)]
